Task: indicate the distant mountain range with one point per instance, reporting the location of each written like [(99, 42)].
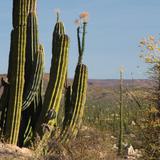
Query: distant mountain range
[(106, 82), (102, 90)]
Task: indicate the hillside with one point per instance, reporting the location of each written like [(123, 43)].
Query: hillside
[(101, 105), (105, 83)]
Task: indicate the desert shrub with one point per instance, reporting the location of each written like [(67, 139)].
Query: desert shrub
[(150, 48)]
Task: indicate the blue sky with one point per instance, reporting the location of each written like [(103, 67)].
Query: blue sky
[(114, 30)]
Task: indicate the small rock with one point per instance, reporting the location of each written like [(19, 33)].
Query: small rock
[(113, 137), (115, 147), (133, 123), (132, 135), (133, 153)]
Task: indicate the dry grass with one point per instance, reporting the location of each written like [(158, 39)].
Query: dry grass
[(90, 144)]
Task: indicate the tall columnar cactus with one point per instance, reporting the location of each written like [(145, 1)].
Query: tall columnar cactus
[(58, 71), (76, 106), (17, 71), (20, 12), (35, 78), (81, 107), (32, 98), (22, 111)]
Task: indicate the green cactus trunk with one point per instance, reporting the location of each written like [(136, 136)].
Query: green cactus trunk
[(32, 97), (35, 79), (80, 110), (32, 104), (68, 110), (21, 111), (77, 103), (74, 105), (31, 45), (20, 11), (57, 79)]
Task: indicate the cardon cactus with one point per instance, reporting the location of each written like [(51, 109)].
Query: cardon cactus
[(75, 109), (76, 97), (32, 98), (16, 79), (58, 71), (78, 113), (22, 112), (32, 102)]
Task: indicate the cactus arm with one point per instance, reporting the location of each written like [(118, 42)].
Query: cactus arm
[(77, 104), (68, 110), (58, 30), (57, 78), (58, 16), (79, 46), (54, 74), (83, 36), (77, 90), (78, 95), (72, 107), (32, 99), (80, 111), (31, 45), (35, 81)]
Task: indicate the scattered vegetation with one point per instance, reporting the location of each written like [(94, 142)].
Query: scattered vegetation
[(24, 113), (120, 120)]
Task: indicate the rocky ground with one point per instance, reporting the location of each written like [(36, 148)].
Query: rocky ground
[(90, 144), (12, 152)]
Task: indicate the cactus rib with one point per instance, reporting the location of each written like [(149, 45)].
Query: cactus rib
[(57, 78), (77, 103)]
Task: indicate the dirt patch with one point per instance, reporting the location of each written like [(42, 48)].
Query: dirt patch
[(12, 152)]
